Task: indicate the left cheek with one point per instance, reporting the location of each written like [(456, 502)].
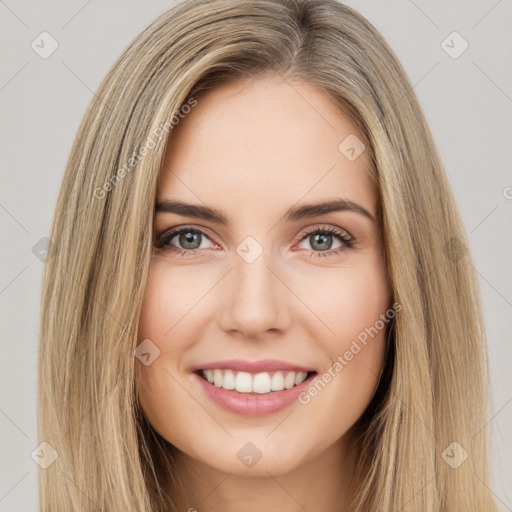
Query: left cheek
[(353, 306), (357, 344), (361, 365)]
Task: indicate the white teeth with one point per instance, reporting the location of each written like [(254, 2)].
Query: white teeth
[(277, 383), (300, 377), (229, 380), (217, 378), (243, 382), (289, 380), (262, 383)]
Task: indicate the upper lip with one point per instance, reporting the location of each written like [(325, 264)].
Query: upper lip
[(265, 365)]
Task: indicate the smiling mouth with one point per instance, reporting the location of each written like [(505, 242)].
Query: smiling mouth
[(254, 383)]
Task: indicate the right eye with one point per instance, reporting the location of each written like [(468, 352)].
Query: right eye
[(188, 239)]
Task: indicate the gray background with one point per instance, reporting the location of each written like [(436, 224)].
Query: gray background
[(467, 101)]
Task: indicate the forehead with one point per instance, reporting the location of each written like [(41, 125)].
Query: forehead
[(267, 143)]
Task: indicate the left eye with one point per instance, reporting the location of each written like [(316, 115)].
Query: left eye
[(321, 241)]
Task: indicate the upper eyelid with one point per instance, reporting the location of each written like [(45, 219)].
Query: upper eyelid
[(174, 231), (332, 230), (162, 238)]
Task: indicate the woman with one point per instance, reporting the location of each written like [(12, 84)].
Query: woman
[(260, 296)]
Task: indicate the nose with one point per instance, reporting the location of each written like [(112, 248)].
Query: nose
[(257, 299)]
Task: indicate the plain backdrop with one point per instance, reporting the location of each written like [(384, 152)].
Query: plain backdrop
[(466, 97)]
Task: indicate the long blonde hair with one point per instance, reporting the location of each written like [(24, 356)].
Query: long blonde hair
[(435, 392)]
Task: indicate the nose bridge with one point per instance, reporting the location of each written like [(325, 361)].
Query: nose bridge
[(256, 299)]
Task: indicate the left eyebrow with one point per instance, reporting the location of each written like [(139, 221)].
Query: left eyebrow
[(292, 214), (314, 210)]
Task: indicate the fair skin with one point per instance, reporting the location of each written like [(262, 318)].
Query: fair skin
[(253, 152)]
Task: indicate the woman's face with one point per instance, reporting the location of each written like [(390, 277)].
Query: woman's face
[(253, 283)]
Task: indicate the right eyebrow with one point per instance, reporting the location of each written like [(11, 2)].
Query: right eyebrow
[(192, 210)]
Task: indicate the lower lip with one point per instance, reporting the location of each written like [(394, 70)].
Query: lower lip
[(249, 404)]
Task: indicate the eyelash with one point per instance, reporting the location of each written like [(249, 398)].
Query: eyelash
[(347, 240)]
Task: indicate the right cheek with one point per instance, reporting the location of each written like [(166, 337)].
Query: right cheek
[(150, 392), (160, 403), (151, 317)]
